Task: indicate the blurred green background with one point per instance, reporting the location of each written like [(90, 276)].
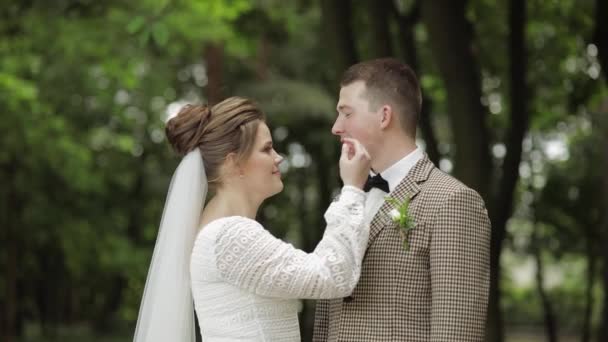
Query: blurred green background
[(515, 105)]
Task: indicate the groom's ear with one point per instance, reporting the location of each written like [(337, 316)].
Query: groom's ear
[(387, 115)]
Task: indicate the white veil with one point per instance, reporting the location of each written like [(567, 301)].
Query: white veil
[(166, 312)]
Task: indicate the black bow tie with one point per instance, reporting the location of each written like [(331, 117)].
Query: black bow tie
[(376, 182)]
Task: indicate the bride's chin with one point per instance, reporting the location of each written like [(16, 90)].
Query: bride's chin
[(279, 188)]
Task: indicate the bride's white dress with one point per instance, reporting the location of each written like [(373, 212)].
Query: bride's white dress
[(245, 282)]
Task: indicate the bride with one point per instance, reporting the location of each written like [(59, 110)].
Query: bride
[(243, 281)]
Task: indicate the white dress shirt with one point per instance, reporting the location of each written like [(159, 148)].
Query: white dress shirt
[(393, 175), (396, 172)]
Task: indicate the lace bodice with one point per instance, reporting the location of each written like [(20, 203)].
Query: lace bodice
[(245, 282)]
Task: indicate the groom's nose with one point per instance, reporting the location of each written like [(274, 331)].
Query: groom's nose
[(337, 128)]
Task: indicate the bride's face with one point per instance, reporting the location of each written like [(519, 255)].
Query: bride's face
[(260, 172)]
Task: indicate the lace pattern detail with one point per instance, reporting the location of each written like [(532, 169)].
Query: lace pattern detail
[(251, 258), (262, 311)]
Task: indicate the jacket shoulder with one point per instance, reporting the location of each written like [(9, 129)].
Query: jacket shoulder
[(439, 186)]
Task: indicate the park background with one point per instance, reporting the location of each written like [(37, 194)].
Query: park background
[(515, 106)]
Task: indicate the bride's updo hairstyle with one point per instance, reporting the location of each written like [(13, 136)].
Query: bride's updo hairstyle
[(228, 127)]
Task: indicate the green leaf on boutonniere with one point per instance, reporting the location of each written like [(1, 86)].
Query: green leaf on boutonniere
[(399, 214)]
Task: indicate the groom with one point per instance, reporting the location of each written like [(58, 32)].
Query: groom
[(436, 288)]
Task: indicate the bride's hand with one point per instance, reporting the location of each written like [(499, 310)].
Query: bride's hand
[(355, 163)]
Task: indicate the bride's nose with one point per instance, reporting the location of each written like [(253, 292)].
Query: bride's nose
[(278, 158)]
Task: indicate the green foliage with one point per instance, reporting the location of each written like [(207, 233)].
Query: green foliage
[(85, 88)]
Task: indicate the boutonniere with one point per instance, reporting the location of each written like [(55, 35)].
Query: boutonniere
[(400, 216)]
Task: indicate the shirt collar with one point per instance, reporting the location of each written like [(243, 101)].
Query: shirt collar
[(396, 172)]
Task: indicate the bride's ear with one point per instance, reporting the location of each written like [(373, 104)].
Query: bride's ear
[(231, 165)]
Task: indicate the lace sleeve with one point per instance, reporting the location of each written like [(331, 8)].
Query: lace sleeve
[(251, 258)]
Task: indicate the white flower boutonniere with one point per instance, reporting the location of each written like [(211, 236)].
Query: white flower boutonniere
[(400, 216)]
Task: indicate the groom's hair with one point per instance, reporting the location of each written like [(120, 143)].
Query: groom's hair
[(389, 81)]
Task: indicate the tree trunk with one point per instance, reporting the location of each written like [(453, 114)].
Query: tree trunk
[(214, 57), (428, 132), (451, 42), (548, 312), (600, 38), (9, 331), (380, 35), (603, 327), (600, 35), (262, 57), (53, 292), (337, 32), (406, 25), (502, 204), (591, 266)]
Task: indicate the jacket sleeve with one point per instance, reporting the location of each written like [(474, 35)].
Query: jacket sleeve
[(460, 268)]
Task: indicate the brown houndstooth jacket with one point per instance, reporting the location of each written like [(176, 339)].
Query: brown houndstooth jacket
[(435, 291)]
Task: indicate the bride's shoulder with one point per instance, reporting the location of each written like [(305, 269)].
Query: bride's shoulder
[(230, 230), (230, 223)]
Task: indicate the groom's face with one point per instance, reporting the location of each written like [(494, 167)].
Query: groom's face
[(356, 119)]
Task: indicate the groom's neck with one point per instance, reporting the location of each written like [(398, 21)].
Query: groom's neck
[(392, 151)]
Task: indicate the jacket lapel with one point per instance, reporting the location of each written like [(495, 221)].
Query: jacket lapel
[(408, 188)]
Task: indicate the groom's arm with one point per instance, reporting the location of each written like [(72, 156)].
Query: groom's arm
[(460, 268)]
